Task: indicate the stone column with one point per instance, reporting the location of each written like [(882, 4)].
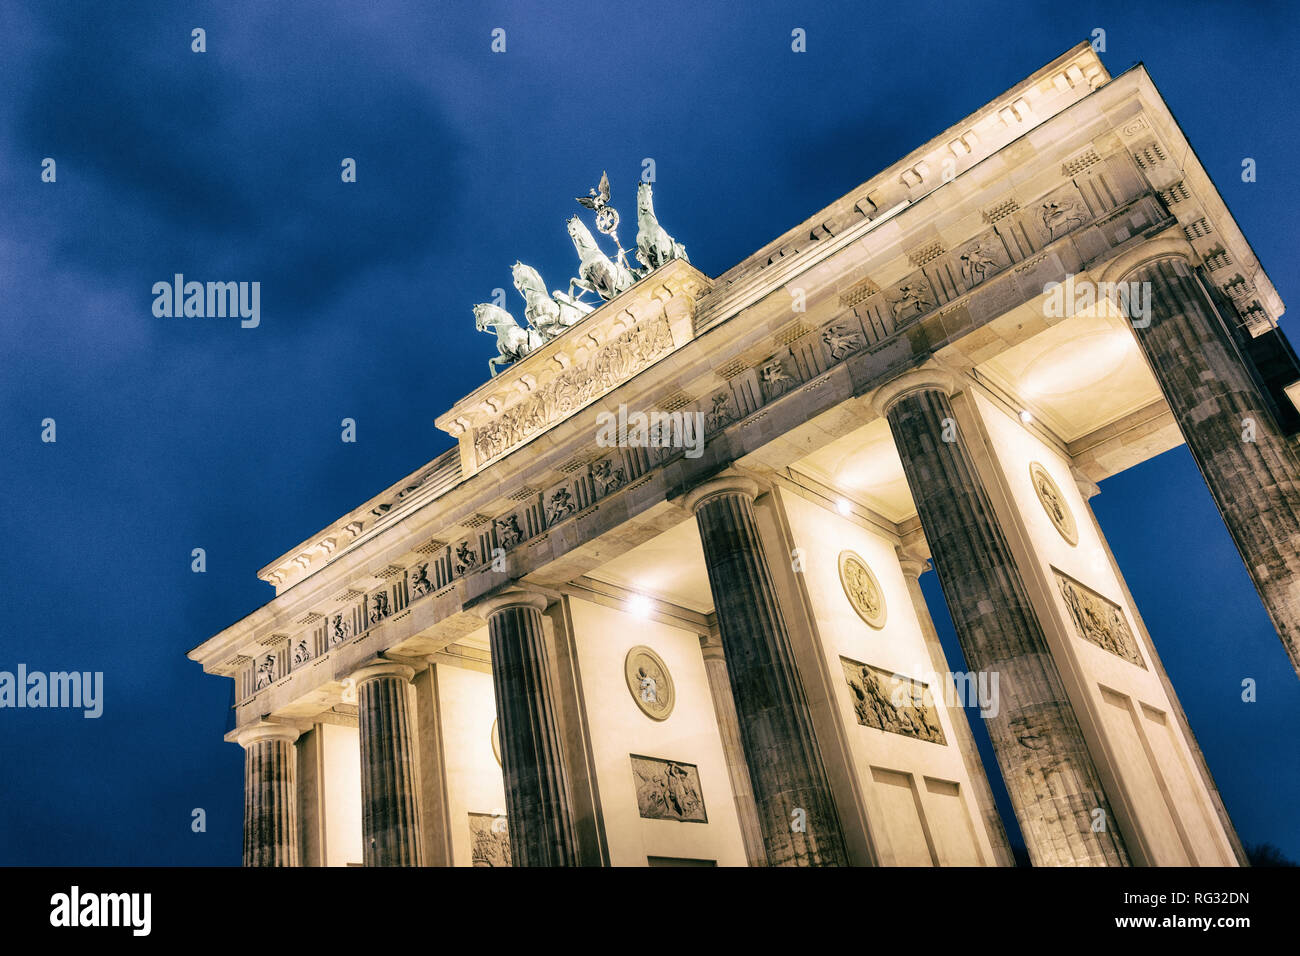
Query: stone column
[(540, 814), (792, 795), (913, 566), (270, 795), (1250, 467), (390, 800), (724, 711), (1050, 776)]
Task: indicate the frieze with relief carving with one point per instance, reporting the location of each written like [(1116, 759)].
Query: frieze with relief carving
[(1097, 620), (892, 702), (668, 790), (607, 476), (489, 840), (420, 584), (611, 365)]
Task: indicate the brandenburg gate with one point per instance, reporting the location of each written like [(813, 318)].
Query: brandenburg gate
[(660, 604)]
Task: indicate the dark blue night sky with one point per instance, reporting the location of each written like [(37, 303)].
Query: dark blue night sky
[(176, 433)]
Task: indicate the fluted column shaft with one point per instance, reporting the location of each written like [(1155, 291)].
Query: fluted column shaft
[(724, 710), (390, 799), (792, 794), (1250, 468), (1049, 773), (270, 796), (913, 567), (540, 814)]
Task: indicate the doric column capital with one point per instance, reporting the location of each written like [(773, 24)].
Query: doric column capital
[(383, 668), (512, 597), (931, 377), (1166, 247), (266, 730), (722, 485)]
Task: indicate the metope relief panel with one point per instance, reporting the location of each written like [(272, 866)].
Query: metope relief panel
[(1097, 620), (973, 262), (892, 702), (345, 624), (379, 605), (911, 299), (1059, 212), (418, 582), (489, 838), (668, 790)]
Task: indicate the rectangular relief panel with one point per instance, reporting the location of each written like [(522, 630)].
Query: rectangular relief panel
[(490, 839), (668, 790), (892, 702), (1098, 621)]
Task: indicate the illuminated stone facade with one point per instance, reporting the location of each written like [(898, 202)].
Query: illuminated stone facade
[(540, 649)]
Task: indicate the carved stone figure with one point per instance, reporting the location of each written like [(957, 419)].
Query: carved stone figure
[(300, 654), (420, 583), (977, 264), (862, 589), (654, 247), (1098, 620), (560, 506), (610, 366), (596, 271), (509, 533), (1060, 216), (668, 790), (606, 477), (265, 673), (466, 558), (540, 310), (379, 607), (513, 342), (720, 415), (342, 629), (649, 683), (891, 702), (774, 379), (914, 298), (490, 840), (1053, 502), (549, 313), (841, 340)]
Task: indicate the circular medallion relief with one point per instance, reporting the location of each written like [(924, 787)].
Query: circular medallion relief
[(649, 683), (1053, 502), (862, 589), (496, 742)]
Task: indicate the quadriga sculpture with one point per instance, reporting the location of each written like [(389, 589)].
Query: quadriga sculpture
[(596, 271), (551, 313), (654, 247), (513, 342)]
